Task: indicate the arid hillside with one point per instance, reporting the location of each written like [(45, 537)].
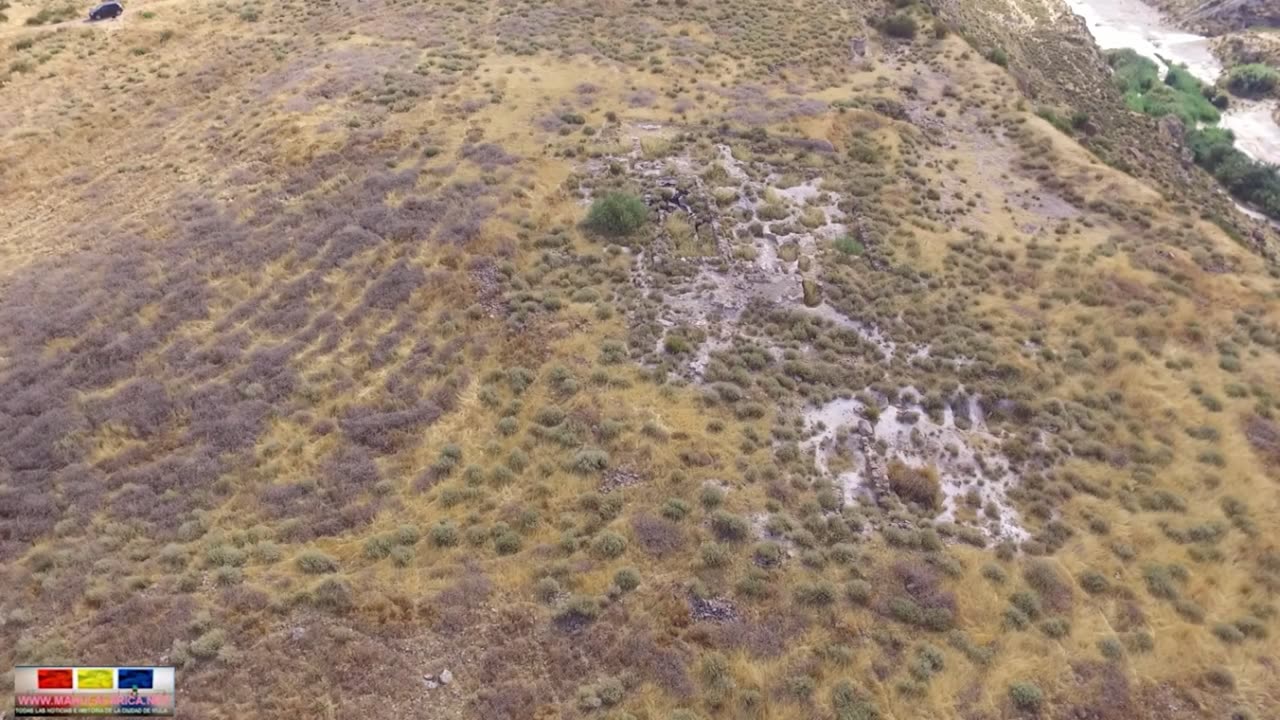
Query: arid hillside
[(631, 360)]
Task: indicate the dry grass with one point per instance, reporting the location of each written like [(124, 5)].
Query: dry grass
[(310, 359)]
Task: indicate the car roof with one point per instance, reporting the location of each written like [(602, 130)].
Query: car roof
[(109, 3)]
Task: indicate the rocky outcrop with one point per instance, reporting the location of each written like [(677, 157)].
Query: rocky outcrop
[(1248, 47), (1221, 16), (1218, 17), (1174, 132)]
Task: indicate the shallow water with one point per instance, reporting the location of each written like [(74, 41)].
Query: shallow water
[(1133, 24)]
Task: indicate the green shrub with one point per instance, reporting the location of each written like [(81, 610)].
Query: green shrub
[(1252, 627), (578, 608), (333, 594), (627, 579), (589, 460), (768, 554), (173, 556), (850, 704), (506, 543), (227, 576), (711, 497), (1254, 80), (755, 584), (858, 592), (1132, 72), (715, 555), (849, 245), (617, 214), (1056, 627), (1026, 601), (609, 545), (1111, 648), (1094, 582), (902, 25), (815, 594), (1228, 633), (224, 556), (1140, 642), (314, 562), (1026, 696), (730, 527), (994, 573), (1221, 677), (406, 535), (208, 645), (376, 548), (675, 509), (547, 589), (1160, 582), (999, 57), (444, 534)]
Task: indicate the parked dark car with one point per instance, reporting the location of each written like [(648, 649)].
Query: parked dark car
[(106, 11)]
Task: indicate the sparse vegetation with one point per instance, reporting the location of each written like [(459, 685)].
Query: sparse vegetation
[(51, 15), (687, 360)]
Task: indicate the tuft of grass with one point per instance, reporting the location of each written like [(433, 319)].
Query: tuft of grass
[(1026, 696), (848, 245)]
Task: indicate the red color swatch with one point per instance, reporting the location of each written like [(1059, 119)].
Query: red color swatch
[(53, 679)]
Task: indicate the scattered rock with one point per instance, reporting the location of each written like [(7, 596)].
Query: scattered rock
[(714, 609), (618, 478)]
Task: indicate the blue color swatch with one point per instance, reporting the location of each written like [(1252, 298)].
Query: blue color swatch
[(130, 678)]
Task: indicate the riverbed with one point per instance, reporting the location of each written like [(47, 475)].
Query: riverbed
[(1133, 24)]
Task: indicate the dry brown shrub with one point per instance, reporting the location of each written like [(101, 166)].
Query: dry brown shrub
[(917, 485), (1264, 436)]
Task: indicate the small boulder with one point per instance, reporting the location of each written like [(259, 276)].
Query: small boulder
[(446, 677)]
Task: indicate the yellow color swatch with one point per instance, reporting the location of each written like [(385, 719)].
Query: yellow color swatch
[(94, 679)]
